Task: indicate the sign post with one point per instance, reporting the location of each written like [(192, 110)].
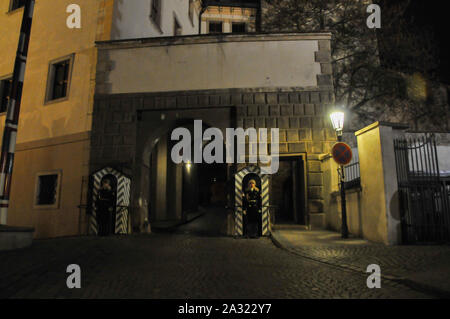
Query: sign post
[(342, 154)]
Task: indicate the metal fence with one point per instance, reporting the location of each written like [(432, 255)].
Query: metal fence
[(423, 195), (352, 176)]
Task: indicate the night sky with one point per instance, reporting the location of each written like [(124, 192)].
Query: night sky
[(433, 14)]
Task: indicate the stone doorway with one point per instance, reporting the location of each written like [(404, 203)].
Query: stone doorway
[(288, 191)]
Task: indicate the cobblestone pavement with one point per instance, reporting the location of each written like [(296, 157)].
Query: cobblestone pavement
[(183, 264), (424, 267)]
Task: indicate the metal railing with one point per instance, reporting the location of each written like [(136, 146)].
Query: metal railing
[(423, 194), (352, 176)]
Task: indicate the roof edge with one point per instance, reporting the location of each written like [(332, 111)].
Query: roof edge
[(213, 38)]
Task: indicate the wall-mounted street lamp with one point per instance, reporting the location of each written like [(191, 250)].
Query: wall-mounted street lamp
[(337, 120)]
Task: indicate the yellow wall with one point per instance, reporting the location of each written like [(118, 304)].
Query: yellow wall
[(51, 39), (53, 136), (372, 184), (372, 211), (366, 209), (64, 220), (355, 217)]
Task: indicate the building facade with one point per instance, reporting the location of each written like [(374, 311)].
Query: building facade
[(51, 169), (155, 18), (52, 153), (227, 82), (107, 96)]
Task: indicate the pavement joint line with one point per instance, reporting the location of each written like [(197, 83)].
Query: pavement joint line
[(180, 223), (440, 293)]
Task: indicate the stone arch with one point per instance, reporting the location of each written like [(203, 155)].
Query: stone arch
[(143, 194)]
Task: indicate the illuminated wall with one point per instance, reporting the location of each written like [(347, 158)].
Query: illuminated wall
[(53, 136)]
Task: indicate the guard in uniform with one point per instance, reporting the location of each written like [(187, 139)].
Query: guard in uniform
[(252, 210), (105, 206)]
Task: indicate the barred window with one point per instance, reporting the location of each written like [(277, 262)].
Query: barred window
[(238, 28), (47, 189), (215, 27)]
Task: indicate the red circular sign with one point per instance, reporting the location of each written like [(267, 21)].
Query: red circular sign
[(342, 153)]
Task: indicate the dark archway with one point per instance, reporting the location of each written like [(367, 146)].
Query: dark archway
[(288, 191), (180, 192), (154, 128)]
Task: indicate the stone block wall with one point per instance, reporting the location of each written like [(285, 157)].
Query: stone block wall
[(300, 115), (302, 118)]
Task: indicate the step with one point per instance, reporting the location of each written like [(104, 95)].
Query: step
[(289, 227), (15, 237)]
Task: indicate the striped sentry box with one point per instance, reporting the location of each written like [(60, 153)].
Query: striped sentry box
[(122, 202), (239, 191)]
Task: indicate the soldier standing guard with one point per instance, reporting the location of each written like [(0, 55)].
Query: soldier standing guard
[(105, 206), (252, 210)]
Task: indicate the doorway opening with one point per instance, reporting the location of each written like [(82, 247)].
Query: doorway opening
[(288, 191), (186, 191)]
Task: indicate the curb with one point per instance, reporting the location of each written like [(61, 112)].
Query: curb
[(423, 288)]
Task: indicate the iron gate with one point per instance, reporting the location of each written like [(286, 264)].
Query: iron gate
[(423, 194)]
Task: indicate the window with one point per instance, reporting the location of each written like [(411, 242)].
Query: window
[(155, 13), (5, 91), (238, 28), (47, 189), (58, 82), (215, 27), (177, 30), (16, 4)]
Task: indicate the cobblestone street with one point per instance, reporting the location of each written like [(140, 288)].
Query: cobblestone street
[(181, 264), (424, 267)]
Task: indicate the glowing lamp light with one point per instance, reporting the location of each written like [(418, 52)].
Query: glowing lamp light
[(188, 165), (337, 120)]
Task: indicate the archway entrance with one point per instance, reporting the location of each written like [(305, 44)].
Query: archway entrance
[(164, 191), (288, 191), (182, 192)]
